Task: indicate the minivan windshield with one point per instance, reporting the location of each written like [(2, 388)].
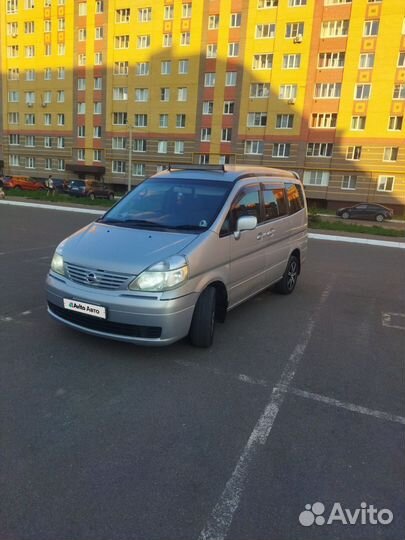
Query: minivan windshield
[(170, 203)]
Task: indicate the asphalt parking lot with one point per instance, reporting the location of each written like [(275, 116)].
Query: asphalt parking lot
[(299, 401)]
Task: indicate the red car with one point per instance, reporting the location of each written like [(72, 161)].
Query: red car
[(23, 182)]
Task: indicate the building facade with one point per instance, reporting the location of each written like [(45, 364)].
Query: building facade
[(118, 89)]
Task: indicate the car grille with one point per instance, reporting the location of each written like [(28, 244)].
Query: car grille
[(101, 279), (102, 325)]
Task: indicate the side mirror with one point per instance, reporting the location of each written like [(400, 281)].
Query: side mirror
[(245, 223)]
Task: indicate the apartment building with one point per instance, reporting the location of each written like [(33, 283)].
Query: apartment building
[(118, 89)]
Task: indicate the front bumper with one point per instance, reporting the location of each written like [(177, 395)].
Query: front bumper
[(137, 318)]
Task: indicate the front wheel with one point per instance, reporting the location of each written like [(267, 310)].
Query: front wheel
[(345, 215), (203, 323), (287, 283), (379, 218)]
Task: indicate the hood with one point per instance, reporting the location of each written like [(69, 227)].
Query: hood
[(121, 249)]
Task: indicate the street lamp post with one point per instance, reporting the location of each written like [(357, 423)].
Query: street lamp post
[(130, 157)]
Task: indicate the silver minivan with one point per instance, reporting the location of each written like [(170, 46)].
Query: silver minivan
[(178, 252)]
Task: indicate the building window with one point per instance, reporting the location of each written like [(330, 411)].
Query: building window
[(226, 135), (265, 31), (168, 13), (256, 119), (319, 150), (60, 142), (208, 107), (97, 155), (13, 118), (331, 29), (185, 38), (386, 183), (48, 164), (259, 90), (179, 147), (97, 132), (166, 67), (81, 131), (81, 84), (401, 59), (211, 50), (120, 93), (82, 9), (362, 91), (233, 50), (254, 147), (142, 94), (358, 123), (139, 145), (183, 67), (145, 14), (390, 153), (366, 61), (165, 94), (29, 27), (209, 79), (81, 108), (328, 90), (163, 120), (121, 42), (119, 166), (265, 4), (30, 75), (262, 61), (97, 107), (13, 96), (121, 68), (98, 58), (182, 94), (353, 153), (81, 59), (203, 159), (30, 141), (324, 120), (229, 107), (61, 165), (316, 178), (399, 91), (14, 160), (284, 121), (236, 19), (120, 118), (213, 22), (291, 61), (331, 60), (14, 139), (118, 143), (395, 123), (122, 15), (288, 91), (98, 83), (81, 154), (294, 30), (99, 6), (162, 147), (297, 3), (143, 42), (138, 169), (47, 119), (13, 51), (349, 181), (371, 28), (281, 150), (167, 40), (180, 120), (13, 74), (141, 68), (12, 7), (30, 162), (29, 119), (141, 120), (186, 11), (231, 78), (61, 73)]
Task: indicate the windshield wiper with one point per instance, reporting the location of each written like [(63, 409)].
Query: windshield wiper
[(135, 222), (185, 227)]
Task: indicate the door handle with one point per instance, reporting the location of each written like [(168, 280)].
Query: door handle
[(270, 232), (259, 236)]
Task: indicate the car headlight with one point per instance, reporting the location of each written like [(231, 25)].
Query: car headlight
[(57, 264), (162, 276)]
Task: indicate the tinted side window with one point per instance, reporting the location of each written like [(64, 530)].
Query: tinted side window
[(275, 204), (246, 204), (295, 197)]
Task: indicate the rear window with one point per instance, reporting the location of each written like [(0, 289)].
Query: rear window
[(295, 197), (275, 204)]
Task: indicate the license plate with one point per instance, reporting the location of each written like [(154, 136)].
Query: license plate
[(86, 309)]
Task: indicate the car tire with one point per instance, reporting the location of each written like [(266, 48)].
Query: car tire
[(203, 323), (379, 218), (111, 196), (18, 188), (92, 197), (287, 283), (345, 215)]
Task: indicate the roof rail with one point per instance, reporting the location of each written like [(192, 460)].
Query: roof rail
[(194, 167)]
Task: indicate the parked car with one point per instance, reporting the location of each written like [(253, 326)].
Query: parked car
[(60, 186), (90, 188), (178, 252), (24, 183), (372, 211)]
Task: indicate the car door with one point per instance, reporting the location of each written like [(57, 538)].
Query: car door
[(359, 211), (276, 231), (247, 256)]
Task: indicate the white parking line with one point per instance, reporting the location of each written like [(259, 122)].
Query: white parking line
[(394, 320), (345, 405), (221, 517)]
